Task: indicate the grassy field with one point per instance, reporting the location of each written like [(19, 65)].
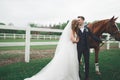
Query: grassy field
[(109, 66), (41, 47), (23, 40), (45, 47)]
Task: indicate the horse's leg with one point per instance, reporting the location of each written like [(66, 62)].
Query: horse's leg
[(96, 61), (81, 61)]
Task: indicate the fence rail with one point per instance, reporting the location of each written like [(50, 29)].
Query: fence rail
[(32, 36)]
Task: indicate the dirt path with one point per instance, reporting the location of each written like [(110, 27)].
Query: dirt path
[(13, 56)]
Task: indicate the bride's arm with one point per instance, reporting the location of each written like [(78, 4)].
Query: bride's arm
[(73, 38)]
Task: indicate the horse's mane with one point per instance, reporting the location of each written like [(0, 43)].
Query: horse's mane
[(98, 22)]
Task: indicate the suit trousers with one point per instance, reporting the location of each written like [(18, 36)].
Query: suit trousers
[(86, 55)]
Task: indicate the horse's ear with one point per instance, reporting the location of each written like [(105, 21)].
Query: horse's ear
[(112, 18), (115, 18)]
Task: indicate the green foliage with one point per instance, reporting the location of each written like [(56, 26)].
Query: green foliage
[(55, 26), (118, 25), (2, 23), (49, 33), (11, 31), (60, 25), (32, 25)]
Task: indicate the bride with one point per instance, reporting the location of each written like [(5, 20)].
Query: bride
[(64, 65)]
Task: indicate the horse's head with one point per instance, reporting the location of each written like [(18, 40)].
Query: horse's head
[(112, 28)]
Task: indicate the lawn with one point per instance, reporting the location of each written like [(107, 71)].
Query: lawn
[(109, 66), (23, 40), (18, 71), (41, 47)]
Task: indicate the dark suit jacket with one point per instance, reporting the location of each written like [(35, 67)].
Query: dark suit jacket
[(87, 34)]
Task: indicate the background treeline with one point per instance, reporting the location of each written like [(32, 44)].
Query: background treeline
[(55, 26)]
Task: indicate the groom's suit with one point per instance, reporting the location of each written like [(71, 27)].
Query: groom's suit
[(83, 46)]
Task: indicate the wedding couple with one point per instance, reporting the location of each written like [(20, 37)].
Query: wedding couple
[(66, 61)]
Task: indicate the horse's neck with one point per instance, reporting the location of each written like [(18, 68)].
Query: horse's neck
[(96, 29)]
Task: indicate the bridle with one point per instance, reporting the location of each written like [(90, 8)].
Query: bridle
[(111, 32)]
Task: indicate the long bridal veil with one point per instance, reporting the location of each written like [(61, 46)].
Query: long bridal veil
[(64, 65)]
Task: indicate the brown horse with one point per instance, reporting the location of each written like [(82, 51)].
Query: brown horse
[(99, 27)]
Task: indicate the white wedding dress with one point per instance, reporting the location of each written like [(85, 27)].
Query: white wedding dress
[(64, 65)]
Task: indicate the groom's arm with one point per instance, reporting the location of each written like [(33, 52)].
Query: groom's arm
[(97, 39)]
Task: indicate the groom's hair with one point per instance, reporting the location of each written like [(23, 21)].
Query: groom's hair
[(81, 17)]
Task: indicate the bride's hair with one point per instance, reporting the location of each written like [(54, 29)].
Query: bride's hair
[(74, 25)]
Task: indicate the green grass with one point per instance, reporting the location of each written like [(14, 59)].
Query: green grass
[(23, 40), (109, 61), (21, 70), (109, 65), (41, 47), (9, 56)]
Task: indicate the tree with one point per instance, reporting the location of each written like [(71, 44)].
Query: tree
[(33, 25), (2, 23), (118, 25), (60, 25)]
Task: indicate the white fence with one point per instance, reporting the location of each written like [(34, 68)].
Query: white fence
[(27, 36), (108, 41), (33, 36)]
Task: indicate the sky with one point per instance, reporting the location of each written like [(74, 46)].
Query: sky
[(45, 12)]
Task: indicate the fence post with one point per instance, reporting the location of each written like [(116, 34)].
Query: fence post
[(108, 43), (27, 45), (4, 36), (119, 44), (23, 36), (44, 37), (91, 50), (37, 36), (14, 36), (50, 37), (55, 37)]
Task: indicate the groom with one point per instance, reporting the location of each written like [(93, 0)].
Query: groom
[(83, 47)]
